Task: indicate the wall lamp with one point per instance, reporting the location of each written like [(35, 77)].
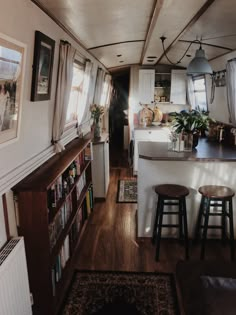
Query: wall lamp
[(198, 65)]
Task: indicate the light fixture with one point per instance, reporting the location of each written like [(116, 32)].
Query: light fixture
[(199, 64)]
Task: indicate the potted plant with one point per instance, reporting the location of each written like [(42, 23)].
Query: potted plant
[(97, 111), (193, 123)]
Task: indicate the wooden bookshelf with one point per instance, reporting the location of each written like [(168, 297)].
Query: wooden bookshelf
[(54, 203)]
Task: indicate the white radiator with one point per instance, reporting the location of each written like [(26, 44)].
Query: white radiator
[(14, 284)]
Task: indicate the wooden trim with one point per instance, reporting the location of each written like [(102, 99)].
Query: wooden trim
[(187, 27), (206, 44), (155, 13), (5, 213), (117, 43)]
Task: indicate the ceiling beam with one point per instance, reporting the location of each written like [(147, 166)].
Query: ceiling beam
[(206, 44), (117, 43), (155, 13), (200, 12)]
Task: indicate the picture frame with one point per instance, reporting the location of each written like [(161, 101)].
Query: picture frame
[(42, 67), (12, 71)]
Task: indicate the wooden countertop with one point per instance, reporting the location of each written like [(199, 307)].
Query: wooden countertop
[(205, 151), (104, 137)]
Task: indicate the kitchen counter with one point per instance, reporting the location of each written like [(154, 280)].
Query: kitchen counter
[(209, 164), (205, 151)]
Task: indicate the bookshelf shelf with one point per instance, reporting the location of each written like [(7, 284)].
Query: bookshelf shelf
[(54, 204)]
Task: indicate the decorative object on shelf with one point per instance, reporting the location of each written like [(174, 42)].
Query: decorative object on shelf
[(97, 111), (42, 67), (198, 65), (146, 115), (157, 114), (191, 124)]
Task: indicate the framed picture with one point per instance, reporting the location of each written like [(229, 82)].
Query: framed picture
[(12, 64), (42, 67)]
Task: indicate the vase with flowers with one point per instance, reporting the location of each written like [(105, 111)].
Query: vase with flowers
[(97, 111)]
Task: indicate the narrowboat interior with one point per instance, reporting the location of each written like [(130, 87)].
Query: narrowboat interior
[(118, 157)]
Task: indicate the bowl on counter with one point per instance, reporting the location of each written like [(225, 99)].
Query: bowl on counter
[(156, 123)]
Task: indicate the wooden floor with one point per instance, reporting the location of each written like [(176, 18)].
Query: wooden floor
[(109, 241)]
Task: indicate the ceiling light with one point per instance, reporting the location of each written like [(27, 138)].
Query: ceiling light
[(199, 64)]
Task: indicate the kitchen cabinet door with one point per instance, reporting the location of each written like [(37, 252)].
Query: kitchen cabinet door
[(178, 87), (146, 85)]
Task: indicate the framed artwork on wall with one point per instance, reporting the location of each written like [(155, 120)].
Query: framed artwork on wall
[(12, 64), (42, 67)]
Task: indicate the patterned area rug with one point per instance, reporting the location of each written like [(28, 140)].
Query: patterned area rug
[(127, 190), (113, 293)]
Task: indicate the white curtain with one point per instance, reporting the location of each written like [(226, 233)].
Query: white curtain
[(231, 89), (99, 86), (109, 89), (84, 106), (190, 92), (64, 81)]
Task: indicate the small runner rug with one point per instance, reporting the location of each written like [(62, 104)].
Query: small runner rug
[(110, 292), (127, 190)]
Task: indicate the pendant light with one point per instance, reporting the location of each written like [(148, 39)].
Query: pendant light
[(199, 64)]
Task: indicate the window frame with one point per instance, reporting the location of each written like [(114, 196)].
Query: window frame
[(195, 78), (73, 123)]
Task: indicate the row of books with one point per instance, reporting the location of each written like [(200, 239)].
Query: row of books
[(72, 238), (59, 221), (61, 187), (80, 185), (60, 264)]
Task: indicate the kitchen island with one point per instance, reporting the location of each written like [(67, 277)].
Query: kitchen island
[(210, 163)]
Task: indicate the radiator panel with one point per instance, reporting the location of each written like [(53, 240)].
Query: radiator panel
[(14, 283)]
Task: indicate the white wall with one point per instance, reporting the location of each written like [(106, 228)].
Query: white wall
[(19, 19), (219, 109)]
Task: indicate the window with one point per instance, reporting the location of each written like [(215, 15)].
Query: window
[(75, 94), (199, 84)]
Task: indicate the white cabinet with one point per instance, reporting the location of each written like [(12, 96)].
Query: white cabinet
[(146, 85), (178, 87), (101, 167), (160, 134)]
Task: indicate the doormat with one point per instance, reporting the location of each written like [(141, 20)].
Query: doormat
[(111, 292), (127, 191)]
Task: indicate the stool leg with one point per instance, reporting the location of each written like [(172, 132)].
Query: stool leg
[(154, 233), (184, 215), (223, 221), (199, 220), (181, 234), (159, 228), (204, 236), (231, 227)]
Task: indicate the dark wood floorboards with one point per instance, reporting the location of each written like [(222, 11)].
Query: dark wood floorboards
[(109, 241)]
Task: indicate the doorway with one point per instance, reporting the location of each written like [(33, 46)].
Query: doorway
[(118, 119)]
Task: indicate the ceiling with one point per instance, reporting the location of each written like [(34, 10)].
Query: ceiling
[(120, 33)]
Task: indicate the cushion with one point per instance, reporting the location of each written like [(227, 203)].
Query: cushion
[(219, 295)]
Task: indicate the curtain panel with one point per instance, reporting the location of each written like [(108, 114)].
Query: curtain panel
[(190, 92), (99, 86), (231, 89), (84, 106), (64, 81)]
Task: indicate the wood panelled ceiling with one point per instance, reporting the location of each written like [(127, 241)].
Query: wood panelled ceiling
[(124, 32)]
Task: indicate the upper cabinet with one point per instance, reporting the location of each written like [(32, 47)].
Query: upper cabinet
[(162, 87), (178, 87), (146, 85)]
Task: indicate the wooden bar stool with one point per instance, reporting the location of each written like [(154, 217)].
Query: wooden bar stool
[(213, 198), (171, 195)]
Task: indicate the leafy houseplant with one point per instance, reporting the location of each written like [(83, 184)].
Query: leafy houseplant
[(191, 122), (97, 111)]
